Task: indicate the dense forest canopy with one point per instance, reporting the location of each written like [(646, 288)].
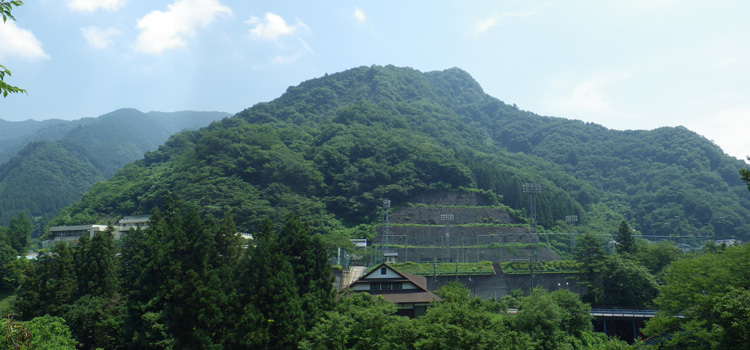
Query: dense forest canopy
[(45, 166), (330, 149)]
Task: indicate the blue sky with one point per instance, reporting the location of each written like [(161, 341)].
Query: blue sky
[(624, 64)]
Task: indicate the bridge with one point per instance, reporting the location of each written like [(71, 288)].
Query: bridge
[(623, 323)]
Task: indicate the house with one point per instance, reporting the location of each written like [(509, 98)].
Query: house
[(409, 292), (73, 233), (128, 222)]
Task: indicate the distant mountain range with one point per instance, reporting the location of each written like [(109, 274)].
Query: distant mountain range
[(332, 148), (45, 165)]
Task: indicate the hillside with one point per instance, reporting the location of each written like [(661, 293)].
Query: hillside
[(61, 161), (15, 135), (330, 149)]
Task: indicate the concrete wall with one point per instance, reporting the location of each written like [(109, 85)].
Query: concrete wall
[(496, 286)]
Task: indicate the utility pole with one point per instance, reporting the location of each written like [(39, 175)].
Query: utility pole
[(434, 273), (447, 218)]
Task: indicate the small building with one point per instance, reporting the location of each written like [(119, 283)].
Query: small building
[(72, 233), (728, 242), (390, 257), (128, 222), (409, 292), (359, 242)]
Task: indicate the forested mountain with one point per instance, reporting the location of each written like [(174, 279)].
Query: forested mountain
[(62, 160), (15, 135), (332, 148)]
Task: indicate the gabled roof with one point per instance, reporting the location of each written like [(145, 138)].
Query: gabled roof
[(400, 296)]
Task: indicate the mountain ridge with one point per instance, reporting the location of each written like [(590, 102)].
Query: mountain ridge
[(330, 148), (61, 160)]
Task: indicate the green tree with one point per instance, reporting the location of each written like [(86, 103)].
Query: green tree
[(95, 321), (19, 232), (701, 301), (576, 315), (462, 322), (5, 9), (541, 318), (361, 322), (309, 262), (624, 239), (745, 175), (454, 292), (267, 281), (590, 256), (50, 284), (96, 265), (732, 312), (557, 320), (627, 283), (41, 333), (656, 256), (7, 256), (132, 263), (94, 315)]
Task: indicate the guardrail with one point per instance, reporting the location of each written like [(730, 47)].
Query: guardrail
[(631, 313)]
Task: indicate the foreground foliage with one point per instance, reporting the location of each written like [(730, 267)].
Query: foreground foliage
[(710, 294), (557, 320), (184, 283)]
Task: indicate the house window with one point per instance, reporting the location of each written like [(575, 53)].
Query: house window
[(383, 271), (375, 286), (396, 285), (385, 285)]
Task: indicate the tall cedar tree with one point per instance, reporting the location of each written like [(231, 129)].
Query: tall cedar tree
[(625, 240), (133, 259), (96, 266), (93, 317), (590, 256), (312, 272), (148, 320), (269, 285), (178, 281), (19, 232), (50, 284)]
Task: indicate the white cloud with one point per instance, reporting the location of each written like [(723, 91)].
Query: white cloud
[(359, 15), (93, 5), (279, 59), (168, 30), (728, 61), (728, 127), (482, 25), (272, 26), (302, 50), (583, 98), (97, 37), (19, 43)]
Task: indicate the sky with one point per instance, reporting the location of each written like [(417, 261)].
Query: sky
[(623, 64)]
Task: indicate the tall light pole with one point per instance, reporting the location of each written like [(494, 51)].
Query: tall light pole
[(386, 210), (533, 189), (571, 220), (447, 218)]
